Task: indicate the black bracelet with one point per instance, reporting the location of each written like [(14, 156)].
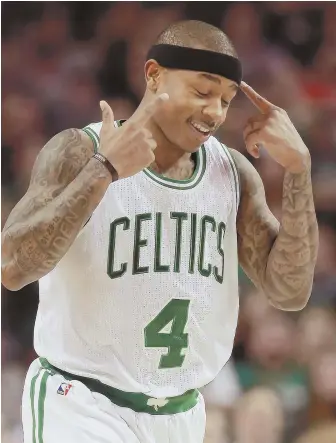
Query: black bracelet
[(107, 165)]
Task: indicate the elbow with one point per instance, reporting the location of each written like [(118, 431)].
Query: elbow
[(11, 286), (291, 294), (11, 279), (290, 305), (9, 272), (294, 301)]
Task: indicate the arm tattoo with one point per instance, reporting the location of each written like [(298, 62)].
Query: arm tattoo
[(291, 263), (65, 188), (279, 259)]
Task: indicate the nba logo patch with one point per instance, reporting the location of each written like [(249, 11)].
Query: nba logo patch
[(64, 388)]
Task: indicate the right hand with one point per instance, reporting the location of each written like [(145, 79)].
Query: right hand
[(129, 148)]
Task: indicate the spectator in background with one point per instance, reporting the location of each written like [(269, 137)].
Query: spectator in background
[(324, 288), (322, 434), (152, 23), (220, 396), (271, 361), (297, 27), (218, 425), (316, 333), (224, 390), (320, 78), (324, 188), (323, 384), (271, 70), (258, 418), (60, 59)]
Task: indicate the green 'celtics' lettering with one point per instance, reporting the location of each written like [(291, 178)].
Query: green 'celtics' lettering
[(176, 313), (196, 247), (192, 243), (179, 217), (139, 243), (210, 220), (125, 222), (158, 267), (220, 245)]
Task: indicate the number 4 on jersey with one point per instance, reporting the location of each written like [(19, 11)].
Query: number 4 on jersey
[(176, 311)]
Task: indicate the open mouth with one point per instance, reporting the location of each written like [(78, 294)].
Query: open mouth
[(200, 129)]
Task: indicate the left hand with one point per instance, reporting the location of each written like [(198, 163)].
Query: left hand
[(276, 133)]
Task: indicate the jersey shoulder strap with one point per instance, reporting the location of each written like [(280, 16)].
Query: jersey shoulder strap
[(220, 149), (93, 131)]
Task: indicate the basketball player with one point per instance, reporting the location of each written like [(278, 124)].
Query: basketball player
[(131, 229)]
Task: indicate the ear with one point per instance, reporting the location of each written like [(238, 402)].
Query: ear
[(153, 73)]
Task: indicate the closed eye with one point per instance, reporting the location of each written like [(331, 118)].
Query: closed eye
[(225, 104), (201, 94)]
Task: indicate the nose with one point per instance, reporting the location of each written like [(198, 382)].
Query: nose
[(214, 110)]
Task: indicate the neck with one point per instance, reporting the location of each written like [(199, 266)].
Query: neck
[(168, 156)]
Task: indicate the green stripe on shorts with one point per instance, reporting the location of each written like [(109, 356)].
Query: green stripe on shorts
[(32, 395), (40, 405)]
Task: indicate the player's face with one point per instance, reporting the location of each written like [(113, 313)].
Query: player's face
[(197, 106)]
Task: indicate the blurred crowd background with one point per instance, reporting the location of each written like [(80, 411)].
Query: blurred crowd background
[(60, 58)]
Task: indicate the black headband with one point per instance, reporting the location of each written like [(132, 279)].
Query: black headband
[(190, 59)]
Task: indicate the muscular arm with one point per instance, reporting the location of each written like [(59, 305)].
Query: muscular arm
[(278, 258), (66, 186)]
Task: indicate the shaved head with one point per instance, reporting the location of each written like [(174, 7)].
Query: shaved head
[(198, 35), (198, 100)]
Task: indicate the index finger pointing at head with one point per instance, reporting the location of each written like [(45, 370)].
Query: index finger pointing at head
[(260, 102), (152, 107)]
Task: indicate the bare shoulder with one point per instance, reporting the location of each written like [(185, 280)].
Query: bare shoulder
[(62, 157), (56, 165), (253, 203), (250, 179)]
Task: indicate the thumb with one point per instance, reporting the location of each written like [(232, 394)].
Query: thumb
[(255, 150), (108, 116)]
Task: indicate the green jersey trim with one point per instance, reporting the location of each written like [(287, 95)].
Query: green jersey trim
[(158, 178), (179, 184), (136, 401), (182, 184), (94, 137), (234, 172)]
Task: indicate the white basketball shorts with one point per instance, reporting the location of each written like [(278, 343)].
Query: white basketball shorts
[(56, 409)]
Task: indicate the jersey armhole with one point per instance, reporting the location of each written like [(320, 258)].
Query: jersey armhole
[(235, 173), (95, 140), (94, 137)]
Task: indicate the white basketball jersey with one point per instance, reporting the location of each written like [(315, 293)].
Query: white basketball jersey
[(146, 298)]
